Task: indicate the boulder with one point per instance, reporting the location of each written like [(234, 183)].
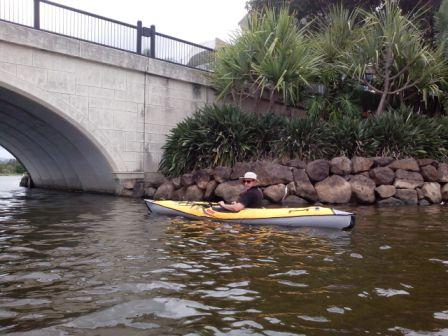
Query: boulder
[(222, 174), (363, 189), (420, 193), (296, 163), (165, 191), (406, 175), (341, 165), (407, 184), (128, 184), (408, 196), (429, 173), (194, 193), (423, 202), (239, 169), (444, 191), (427, 162), (391, 201), (150, 192), (293, 201), (361, 164), (442, 173), (26, 181), (270, 173), (229, 191), (432, 192), (275, 193), (201, 178), (179, 194), (187, 180), (334, 189), (210, 190), (405, 164), (382, 175), (318, 170), (385, 191), (139, 189), (382, 161), (291, 188), (154, 180), (177, 182), (303, 186)]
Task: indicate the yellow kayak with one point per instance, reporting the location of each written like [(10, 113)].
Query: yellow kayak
[(313, 216)]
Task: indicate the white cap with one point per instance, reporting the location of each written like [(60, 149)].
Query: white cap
[(249, 175)]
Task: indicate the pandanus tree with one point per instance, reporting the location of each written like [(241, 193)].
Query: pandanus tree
[(391, 57), (270, 58)]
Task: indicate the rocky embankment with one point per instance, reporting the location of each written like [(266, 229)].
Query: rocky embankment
[(380, 180)]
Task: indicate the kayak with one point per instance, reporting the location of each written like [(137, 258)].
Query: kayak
[(313, 216)]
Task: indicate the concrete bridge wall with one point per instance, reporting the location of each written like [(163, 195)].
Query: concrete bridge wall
[(83, 116)]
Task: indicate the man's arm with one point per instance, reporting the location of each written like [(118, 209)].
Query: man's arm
[(232, 207)]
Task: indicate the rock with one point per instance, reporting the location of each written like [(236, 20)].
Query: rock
[(406, 175), (275, 193), (291, 188), (149, 192), (293, 201), (420, 193), (164, 191), (382, 175), (270, 173), (408, 196), (427, 162), (361, 164), (318, 170), (26, 181), (179, 194), (154, 180), (442, 172), (363, 189), (296, 163), (177, 182), (201, 178), (303, 186), (382, 161), (429, 173), (187, 180), (222, 174), (210, 190), (405, 164), (139, 189), (194, 193), (445, 192), (432, 192), (407, 184), (341, 165), (128, 184), (229, 191), (239, 169), (423, 202), (385, 191), (334, 189), (391, 201)]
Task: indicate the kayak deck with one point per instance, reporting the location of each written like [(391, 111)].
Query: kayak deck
[(314, 216)]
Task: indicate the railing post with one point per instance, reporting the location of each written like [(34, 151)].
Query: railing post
[(139, 36), (153, 42), (37, 14)]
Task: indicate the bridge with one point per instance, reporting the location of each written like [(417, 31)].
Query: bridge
[(89, 116)]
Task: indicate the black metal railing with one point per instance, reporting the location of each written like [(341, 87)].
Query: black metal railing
[(67, 21)]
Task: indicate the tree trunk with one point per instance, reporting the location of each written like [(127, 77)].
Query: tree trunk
[(386, 87)]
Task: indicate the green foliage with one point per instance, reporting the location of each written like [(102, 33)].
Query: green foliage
[(11, 167), (272, 58), (224, 135)]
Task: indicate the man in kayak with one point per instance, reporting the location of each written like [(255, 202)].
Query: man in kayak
[(250, 198)]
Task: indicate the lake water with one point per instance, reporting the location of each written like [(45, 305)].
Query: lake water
[(81, 264)]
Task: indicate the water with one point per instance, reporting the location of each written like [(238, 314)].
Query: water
[(78, 264)]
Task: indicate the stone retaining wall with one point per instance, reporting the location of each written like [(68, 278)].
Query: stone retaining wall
[(379, 180)]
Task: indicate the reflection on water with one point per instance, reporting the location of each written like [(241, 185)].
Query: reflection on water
[(99, 265)]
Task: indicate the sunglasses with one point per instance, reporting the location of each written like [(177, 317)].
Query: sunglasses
[(247, 181)]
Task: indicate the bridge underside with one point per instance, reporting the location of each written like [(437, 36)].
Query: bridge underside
[(55, 153)]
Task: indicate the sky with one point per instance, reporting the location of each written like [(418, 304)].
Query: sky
[(197, 21)]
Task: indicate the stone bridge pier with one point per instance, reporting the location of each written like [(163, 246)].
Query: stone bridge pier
[(81, 116)]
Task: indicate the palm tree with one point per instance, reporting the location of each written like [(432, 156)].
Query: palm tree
[(391, 56)]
